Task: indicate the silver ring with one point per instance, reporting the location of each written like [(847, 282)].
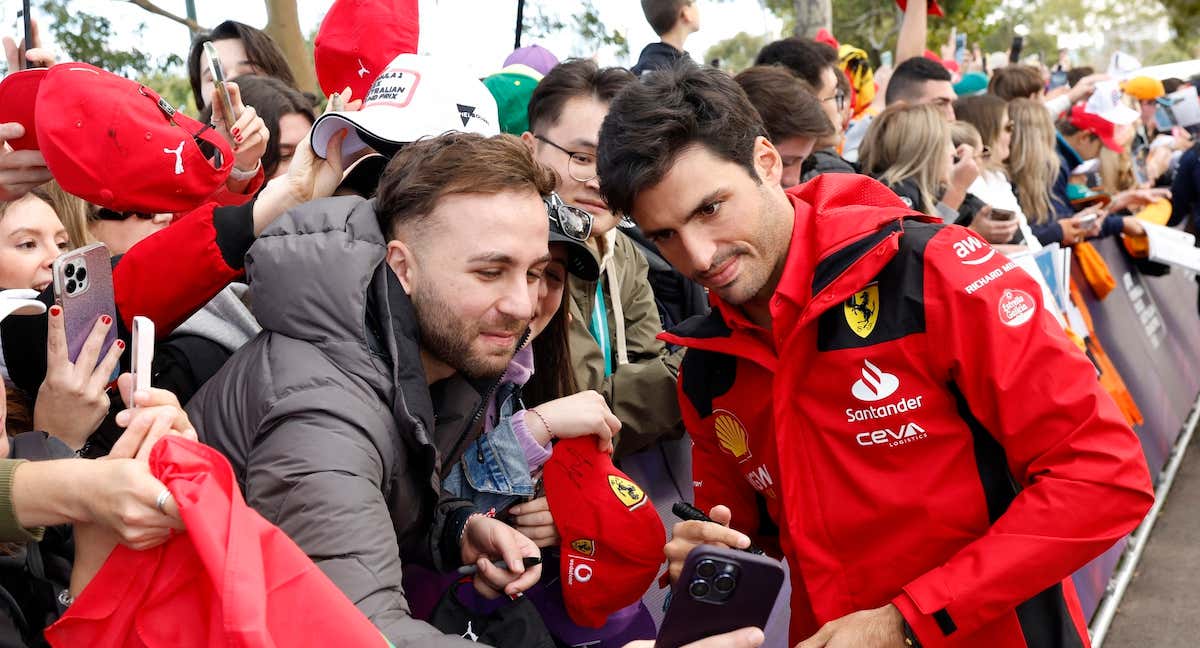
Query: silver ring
[(161, 500)]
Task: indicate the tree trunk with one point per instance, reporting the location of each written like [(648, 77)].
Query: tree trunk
[(283, 25), (811, 16)]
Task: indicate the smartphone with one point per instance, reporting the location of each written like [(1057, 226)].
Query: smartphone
[(720, 590), (1058, 79), (83, 288), (1003, 214), (142, 349), (1014, 52), (1088, 220), (960, 48), (27, 18), (886, 59), (218, 74)]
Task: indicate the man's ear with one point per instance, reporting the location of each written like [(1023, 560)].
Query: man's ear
[(402, 262), (768, 163), (529, 140)]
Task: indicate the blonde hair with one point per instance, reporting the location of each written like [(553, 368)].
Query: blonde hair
[(72, 211), (962, 132), (1116, 171), (908, 142), (1033, 164)]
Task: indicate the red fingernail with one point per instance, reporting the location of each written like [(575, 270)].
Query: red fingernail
[(120, 345), (239, 138), (55, 311), (106, 319), (236, 131)]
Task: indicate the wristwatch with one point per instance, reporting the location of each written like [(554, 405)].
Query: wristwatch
[(910, 639)]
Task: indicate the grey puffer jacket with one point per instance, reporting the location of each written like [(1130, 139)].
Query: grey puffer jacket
[(327, 418)]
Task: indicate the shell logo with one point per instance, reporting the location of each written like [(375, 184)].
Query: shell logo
[(732, 435)]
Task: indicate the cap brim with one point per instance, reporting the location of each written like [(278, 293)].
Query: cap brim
[(1121, 115), (20, 302), (580, 260), (18, 98)]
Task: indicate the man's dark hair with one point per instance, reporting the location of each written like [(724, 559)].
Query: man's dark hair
[(570, 79), (788, 106), (662, 14), (1172, 84), (261, 50), (272, 100), (805, 57), (668, 111), (1016, 82), (1075, 75), (906, 81), (427, 170)]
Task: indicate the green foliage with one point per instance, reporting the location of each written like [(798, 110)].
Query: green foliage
[(540, 21), (172, 86), (596, 34), (736, 53), (87, 37)]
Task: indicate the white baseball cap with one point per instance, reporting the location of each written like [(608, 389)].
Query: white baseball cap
[(415, 96), (1106, 102), (21, 301)]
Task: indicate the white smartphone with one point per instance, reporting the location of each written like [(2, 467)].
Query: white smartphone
[(142, 352), (1087, 221)]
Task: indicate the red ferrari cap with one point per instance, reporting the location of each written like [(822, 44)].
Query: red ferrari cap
[(117, 144), (612, 537), (933, 8), (357, 40), (17, 94), (1096, 125)]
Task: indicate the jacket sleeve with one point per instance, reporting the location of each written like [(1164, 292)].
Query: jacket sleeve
[(1080, 481), (224, 197), (641, 393), (172, 273), (316, 474), (716, 480), (10, 529), (1184, 188)]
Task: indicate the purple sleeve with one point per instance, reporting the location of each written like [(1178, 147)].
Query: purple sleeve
[(535, 454)]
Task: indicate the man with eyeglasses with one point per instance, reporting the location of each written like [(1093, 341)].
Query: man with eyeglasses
[(817, 65), (614, 321)]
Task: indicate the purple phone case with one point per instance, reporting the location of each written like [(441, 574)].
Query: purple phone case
[(81, 310), (750, 604)]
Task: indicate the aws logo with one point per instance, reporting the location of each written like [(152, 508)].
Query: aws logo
[(972, 251), (862, 310), (630, 494), (732, 435)]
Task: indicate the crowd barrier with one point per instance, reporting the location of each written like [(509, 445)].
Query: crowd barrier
[(1150, 329)]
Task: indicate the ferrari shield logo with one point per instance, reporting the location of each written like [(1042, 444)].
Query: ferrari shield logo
[(584, 546), (630, 494), (862, 310)]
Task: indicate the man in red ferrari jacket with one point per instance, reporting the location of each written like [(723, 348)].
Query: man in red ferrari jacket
[(881, 399)]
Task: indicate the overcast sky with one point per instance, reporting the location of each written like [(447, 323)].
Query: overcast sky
[(476, 33)]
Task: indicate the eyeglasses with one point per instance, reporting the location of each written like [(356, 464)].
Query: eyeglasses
[(580, 166), (573, 221), (839, 99), (107, 214)]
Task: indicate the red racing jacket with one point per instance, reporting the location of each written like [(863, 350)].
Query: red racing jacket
[(915, 429)]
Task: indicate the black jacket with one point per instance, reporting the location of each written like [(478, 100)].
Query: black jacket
[(824, 161), (658, 56), (676, 296)]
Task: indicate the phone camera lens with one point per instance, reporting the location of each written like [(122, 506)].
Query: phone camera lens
[(81, 274), (724, 583), (70, 286), (698, 589), (70, 271), (706, 569)]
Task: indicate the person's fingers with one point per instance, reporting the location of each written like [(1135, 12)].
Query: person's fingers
[(12, 53), (235, 97), (89, 355), (159, 427), (524, 581), (56, 341), (709, 533), (333, 152), (538, 532), (510, 551), (105, 369), (484, 588), (44, 57), (532, 506), (242, 127), (494, 577), (720, 514), (539, 518), (138, 425), (156, 397), (125, 389)]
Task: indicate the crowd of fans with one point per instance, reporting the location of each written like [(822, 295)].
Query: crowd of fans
[(389, 313)]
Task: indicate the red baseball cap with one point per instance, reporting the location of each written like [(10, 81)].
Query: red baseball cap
[(117, 144), (357, 40), (612, 537), (1096, 125), (933, 8), (17, 91)]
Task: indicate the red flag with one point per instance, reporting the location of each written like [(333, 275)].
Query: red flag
[(233, 579)]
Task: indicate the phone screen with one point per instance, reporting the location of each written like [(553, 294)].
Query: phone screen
[(218, 74), (1058, 79), (1003, 215)]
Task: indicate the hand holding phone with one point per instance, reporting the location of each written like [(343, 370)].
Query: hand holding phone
[(142, 353), (218, 74), (1003, 214), (83, 288)]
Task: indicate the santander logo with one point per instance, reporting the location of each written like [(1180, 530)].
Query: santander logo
[(875, 384)]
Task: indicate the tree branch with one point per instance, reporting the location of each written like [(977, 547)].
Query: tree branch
[(155, 9)]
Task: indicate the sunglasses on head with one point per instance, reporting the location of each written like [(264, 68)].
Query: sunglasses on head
[(107, 214), (573, 221)]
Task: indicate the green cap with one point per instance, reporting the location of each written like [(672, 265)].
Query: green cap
[(512, 90)]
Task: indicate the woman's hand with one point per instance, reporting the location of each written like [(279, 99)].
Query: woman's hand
[(582, 414), (73, 399), (993, 231), (534, 521), (154, 413), (487, 539), (247, 135)]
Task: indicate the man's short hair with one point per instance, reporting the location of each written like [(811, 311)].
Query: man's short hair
[(651, 122), (569, 79), (803, 56), (1075, 75), (427, 170), (662, 14), (906, 81), (1016, 82), (788, 106)]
